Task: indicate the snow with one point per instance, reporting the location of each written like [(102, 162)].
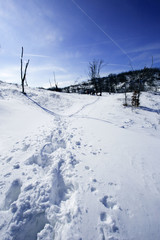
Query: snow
[(78, 167)]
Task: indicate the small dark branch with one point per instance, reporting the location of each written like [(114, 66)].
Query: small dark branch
[(25, 70), (125, 103), (50, 83), (22, 53), (55, 82), (22, 64), (99, 68), (21, 69), (24, 77)]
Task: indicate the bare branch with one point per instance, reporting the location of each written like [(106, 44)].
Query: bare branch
[(22, 53), (25, 70), (23, 76)]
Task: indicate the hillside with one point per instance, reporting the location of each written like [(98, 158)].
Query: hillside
[(78, 167), (119, 83)]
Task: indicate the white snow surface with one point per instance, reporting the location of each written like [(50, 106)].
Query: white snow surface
[(78, 167)]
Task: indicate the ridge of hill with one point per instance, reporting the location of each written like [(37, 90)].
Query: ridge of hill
[(118, 83)]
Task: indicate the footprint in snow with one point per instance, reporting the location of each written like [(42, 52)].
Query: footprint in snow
[(25, 147), (94, 180), (87, 168), (109, 223), (12, 194), (7, 175), (29, 187), (9, 159), (108, 227), (94, 153), (16, 166), (112, 184), (103, 216), (78, 143), (73, 161), (93, 189), (109, 202)]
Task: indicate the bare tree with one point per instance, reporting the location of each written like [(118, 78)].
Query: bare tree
[(139, 87), (125, 93), (23, 76), (55, 82), (50, 83), (94, 73)]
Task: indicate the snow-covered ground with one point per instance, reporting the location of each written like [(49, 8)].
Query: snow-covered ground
[(78, 167)]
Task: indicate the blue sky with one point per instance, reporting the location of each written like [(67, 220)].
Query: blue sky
[(63, 36)]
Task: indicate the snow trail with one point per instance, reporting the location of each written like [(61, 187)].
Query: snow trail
[(59, 115), (32, 203)]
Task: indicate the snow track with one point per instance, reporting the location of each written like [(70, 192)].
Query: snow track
[(60, 115), (37, 202)]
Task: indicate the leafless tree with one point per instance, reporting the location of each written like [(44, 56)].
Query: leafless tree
[(140, 86), (94, 73), (55, 82), (125, 93), (23, 75)]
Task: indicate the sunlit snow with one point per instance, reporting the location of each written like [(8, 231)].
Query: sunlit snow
[(78, 167)]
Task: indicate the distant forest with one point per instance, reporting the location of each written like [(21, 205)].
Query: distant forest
[(147, 79)]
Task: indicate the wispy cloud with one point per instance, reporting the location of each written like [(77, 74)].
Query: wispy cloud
[(89, 45), (156, 58), (23, 22), (115, 65), (145, 48), (37, 55), (46, 68), (71, 54), (7, 7), (35, 74), (141, 56)]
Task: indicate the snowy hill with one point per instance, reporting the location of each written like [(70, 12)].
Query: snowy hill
[(119, 83), (78, 167)]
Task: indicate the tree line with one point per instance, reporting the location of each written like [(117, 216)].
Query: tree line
[(144, 79)]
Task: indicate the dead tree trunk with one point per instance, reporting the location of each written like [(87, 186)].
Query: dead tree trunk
[(23, 76), (135, 99), (125, 94)]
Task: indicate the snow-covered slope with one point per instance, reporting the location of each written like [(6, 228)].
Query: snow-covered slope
[(78, 167)]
